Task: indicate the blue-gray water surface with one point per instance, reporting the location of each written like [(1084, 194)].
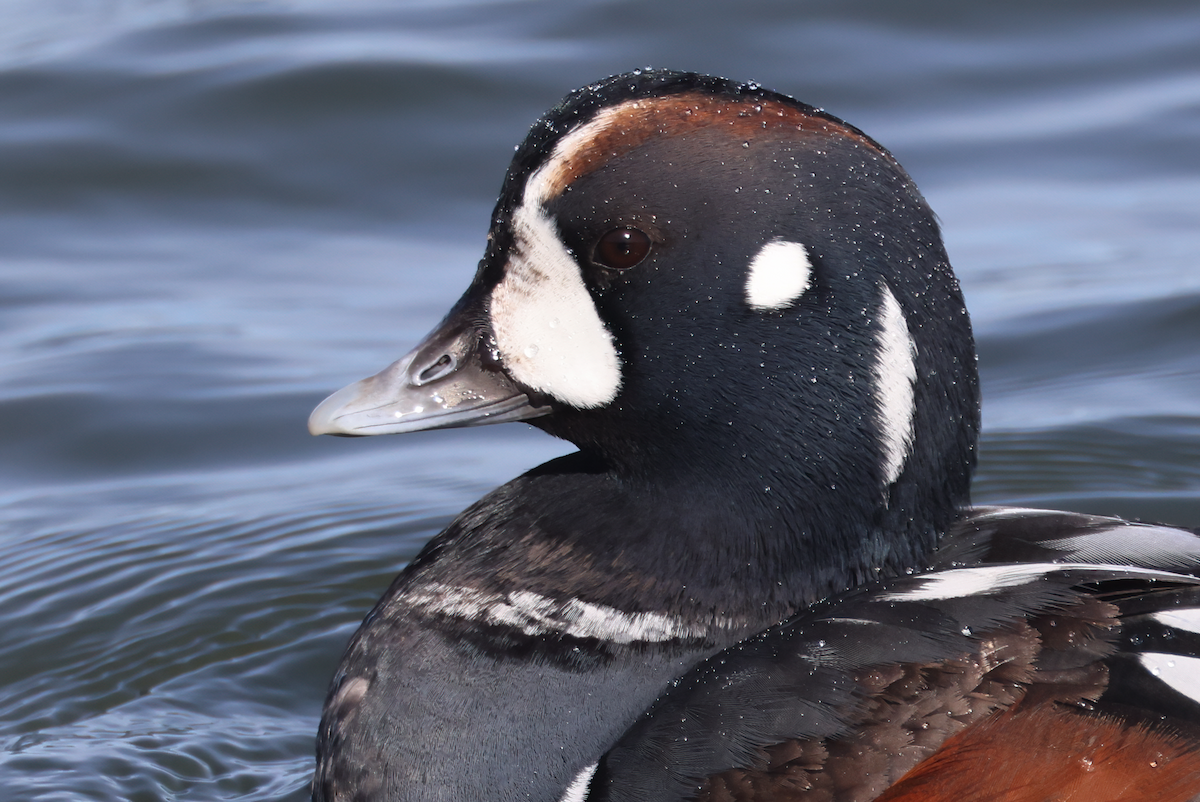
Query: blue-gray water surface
[(213, 213)]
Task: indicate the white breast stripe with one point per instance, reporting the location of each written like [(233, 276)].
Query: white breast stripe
[(895, 376), (955, 583), (534, 614), (779, 274), (1181, 673), (547, 329), (577, 790)]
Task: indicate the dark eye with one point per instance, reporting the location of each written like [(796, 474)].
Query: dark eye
[(621, 248)]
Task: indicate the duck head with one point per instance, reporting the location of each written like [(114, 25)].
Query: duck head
[(711, 288)]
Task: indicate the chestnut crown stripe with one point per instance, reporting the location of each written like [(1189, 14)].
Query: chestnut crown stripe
[(618, 129)]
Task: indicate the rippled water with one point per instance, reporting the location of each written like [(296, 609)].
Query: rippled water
[(214, 213)]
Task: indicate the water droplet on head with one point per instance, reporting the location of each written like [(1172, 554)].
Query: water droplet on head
[(553, 323), (531, 351)]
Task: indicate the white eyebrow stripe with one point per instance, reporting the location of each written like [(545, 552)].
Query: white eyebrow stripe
[(534, 614), (778, 275), (539, 187), (895, 385)]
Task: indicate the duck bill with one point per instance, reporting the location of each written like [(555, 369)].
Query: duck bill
[(449, 380)]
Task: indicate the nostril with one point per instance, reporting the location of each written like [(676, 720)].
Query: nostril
[(445, 364)]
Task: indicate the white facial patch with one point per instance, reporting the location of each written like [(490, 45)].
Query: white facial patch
[(778, 275), (547, 329), (1181, 673), (895, 377), (534, 614)]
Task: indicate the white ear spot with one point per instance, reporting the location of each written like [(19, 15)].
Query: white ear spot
[(778, 275), (547, 330), (895, 377)]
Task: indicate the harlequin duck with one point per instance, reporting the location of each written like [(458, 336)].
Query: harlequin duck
[(759, 577)]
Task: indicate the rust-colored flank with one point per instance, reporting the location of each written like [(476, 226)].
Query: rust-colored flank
[(1055, 752)]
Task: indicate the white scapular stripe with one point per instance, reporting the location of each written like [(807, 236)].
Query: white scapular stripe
[(1161, 546), (895, 377), (1188, 620), (1000, 513), (1110, 540), (1181, 673), (534, 614), (577, 790), (779, 274), (956, 583), (547, 329)]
